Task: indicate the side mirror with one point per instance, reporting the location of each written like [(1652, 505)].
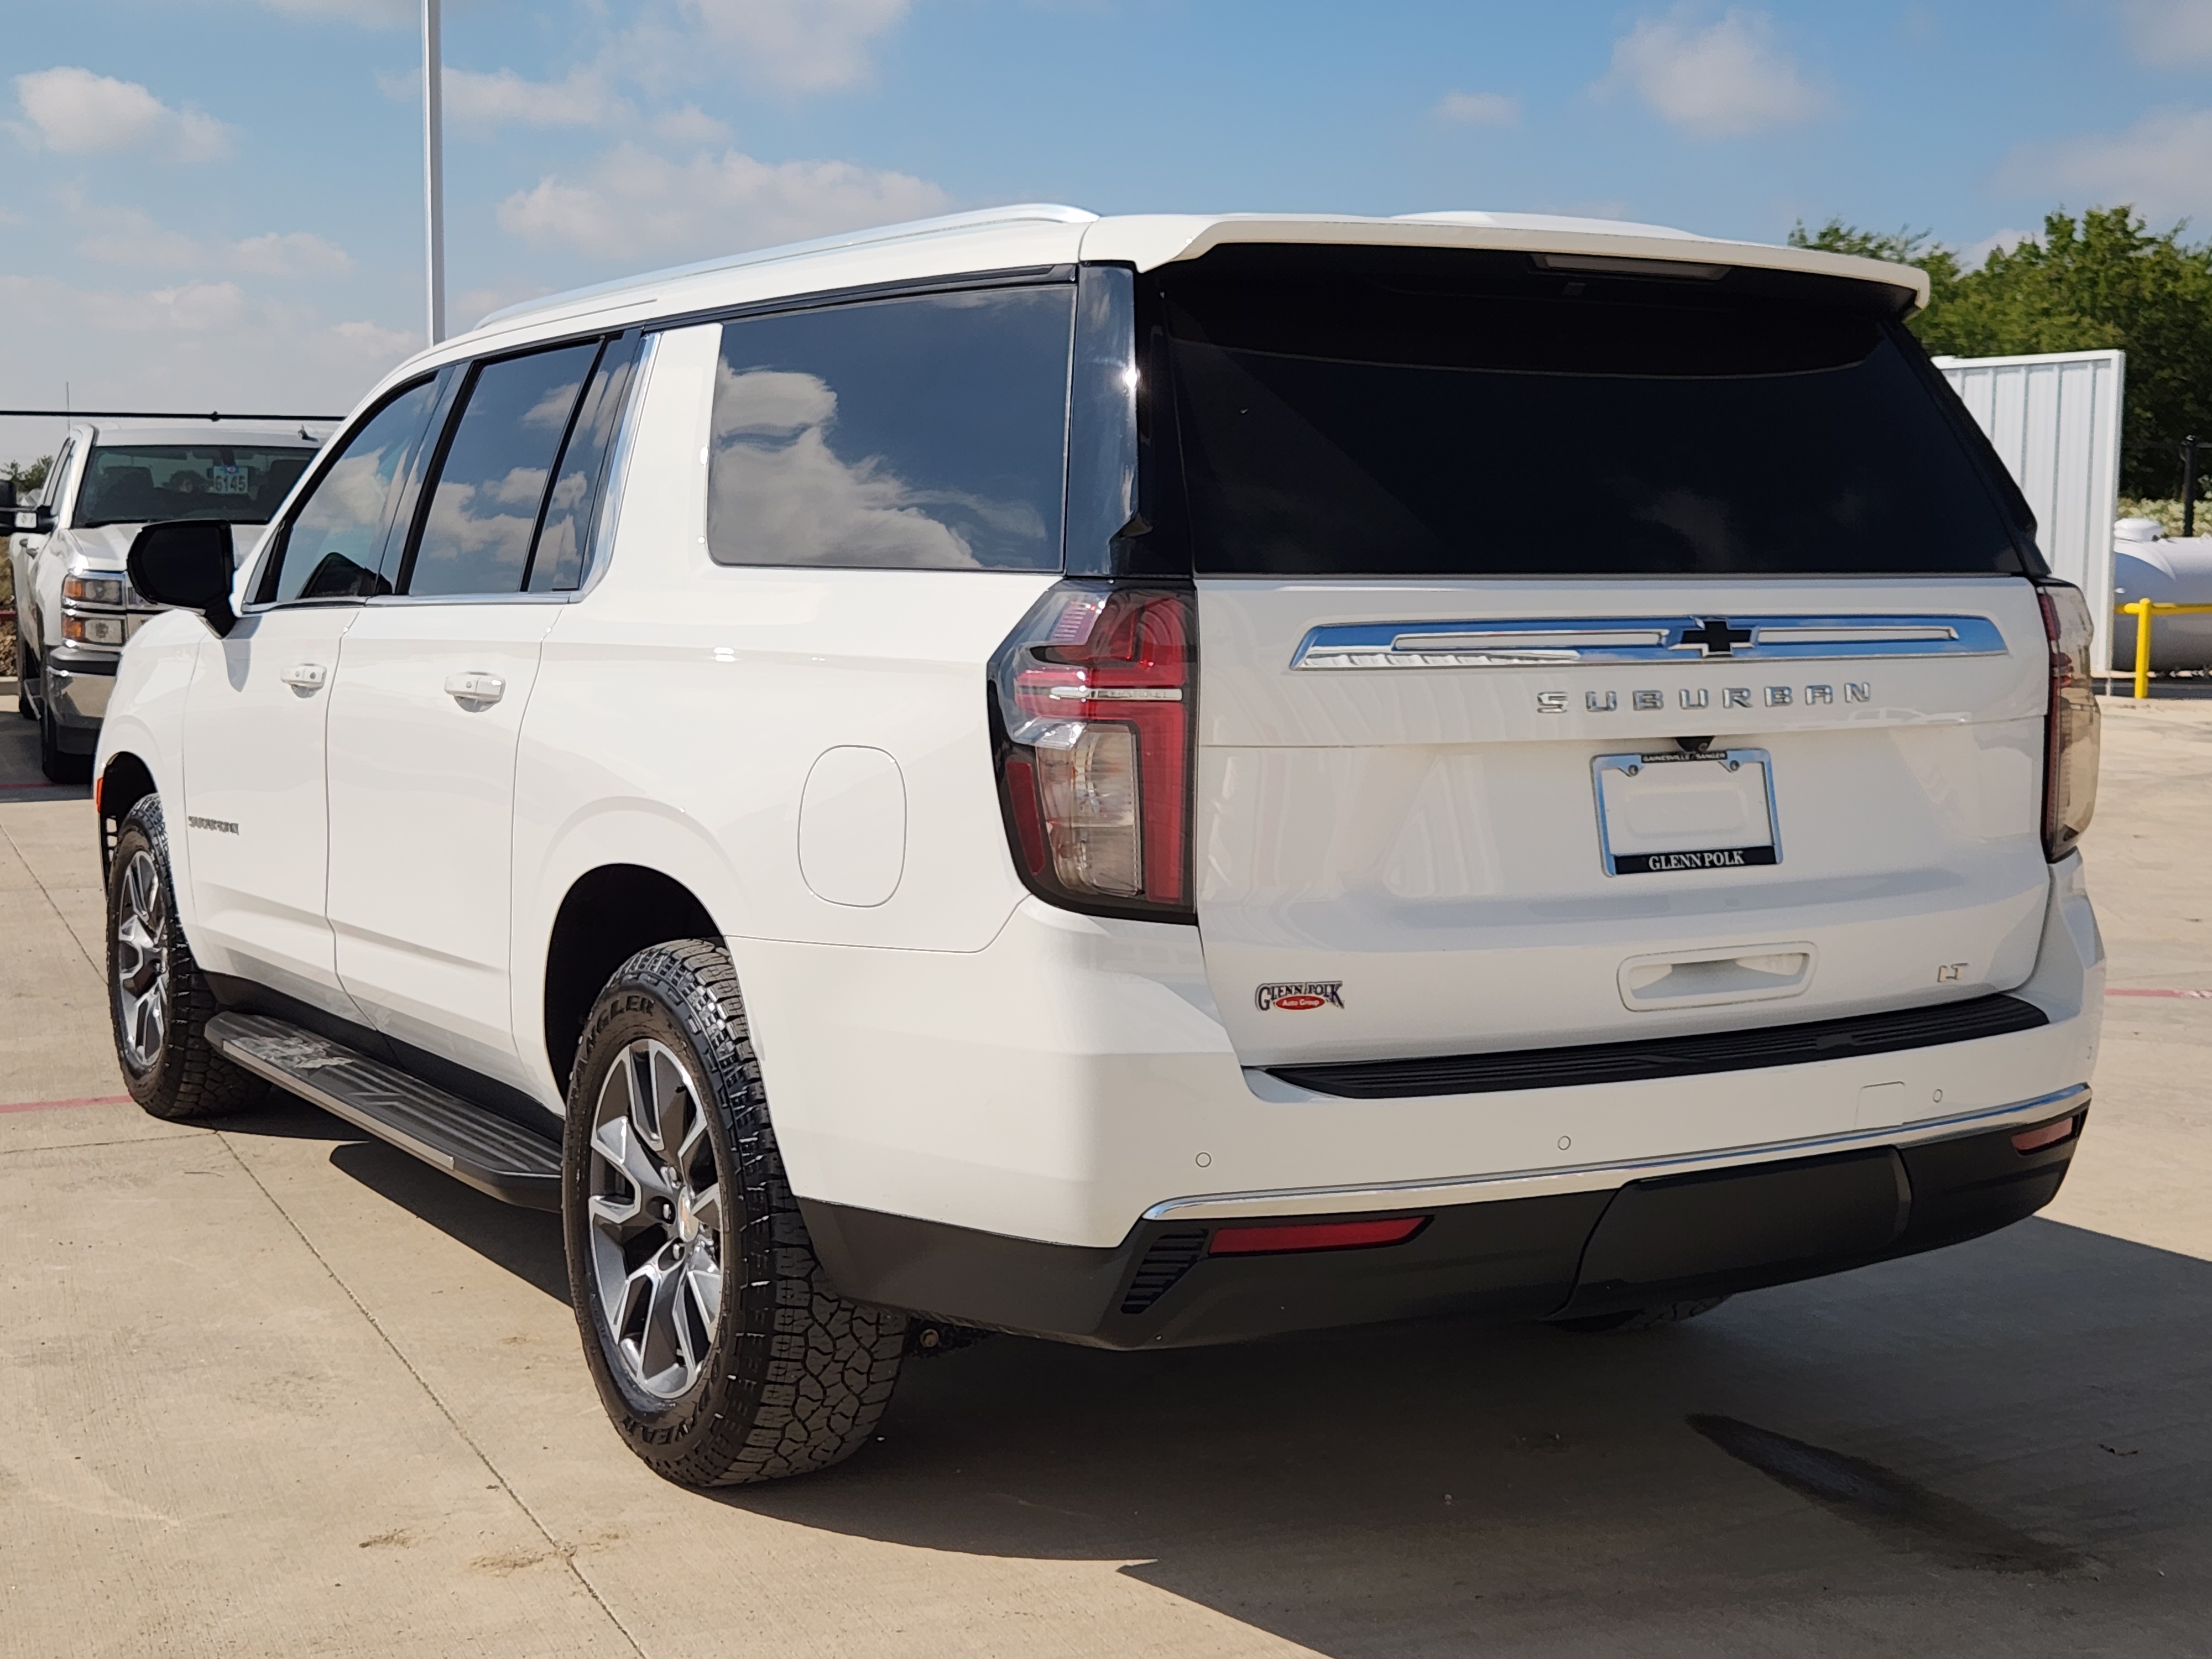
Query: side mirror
[(185, 564), (27, 521), (7, 494)]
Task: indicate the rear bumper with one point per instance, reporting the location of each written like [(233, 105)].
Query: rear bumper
[(1075, 1079), (1665, 1237)]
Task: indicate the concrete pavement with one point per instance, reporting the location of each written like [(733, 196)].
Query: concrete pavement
[(270, 1388)]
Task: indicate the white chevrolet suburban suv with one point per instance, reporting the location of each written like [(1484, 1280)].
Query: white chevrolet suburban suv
[(1140, 781), (75, 609)]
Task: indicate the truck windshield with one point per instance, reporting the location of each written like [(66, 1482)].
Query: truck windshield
[(137, 483), (1427, 419)]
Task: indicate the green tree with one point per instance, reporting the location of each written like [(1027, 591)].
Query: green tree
[(27, 478), (2102, 280)]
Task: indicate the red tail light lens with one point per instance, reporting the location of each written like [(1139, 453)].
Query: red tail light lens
[(2069, 768), (1314, 1235), (1093, 698)]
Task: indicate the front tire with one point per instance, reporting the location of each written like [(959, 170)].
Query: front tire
[(721, 1351), (159, 1002)]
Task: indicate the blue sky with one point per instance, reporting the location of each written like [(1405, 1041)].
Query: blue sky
[(218, 202)]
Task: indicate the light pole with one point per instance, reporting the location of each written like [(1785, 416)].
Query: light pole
[(433, 166)]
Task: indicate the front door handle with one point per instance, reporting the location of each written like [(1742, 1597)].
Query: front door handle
[(475, 687), (306, 676)]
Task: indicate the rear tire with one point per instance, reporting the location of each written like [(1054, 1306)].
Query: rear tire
[(1641, 1319), (721, 1351), (159, 1002)]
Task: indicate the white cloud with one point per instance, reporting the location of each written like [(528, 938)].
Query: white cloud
[(116, 236), (291, 254), (503, 97), (806, 45), (1478, 109), (1721, 80), (689, 125), (77, 113), (198, 344), (635, 203), (2162, 164), (2166, 33)]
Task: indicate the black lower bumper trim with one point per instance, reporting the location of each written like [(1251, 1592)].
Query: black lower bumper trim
[(1572, 1255), (1666, 1057)]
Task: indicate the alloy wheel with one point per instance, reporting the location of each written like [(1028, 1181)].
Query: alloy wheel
[(658, 1227), (141, 962)]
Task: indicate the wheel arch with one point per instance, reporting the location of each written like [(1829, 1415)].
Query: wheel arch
[(120, 785), (609, 913)]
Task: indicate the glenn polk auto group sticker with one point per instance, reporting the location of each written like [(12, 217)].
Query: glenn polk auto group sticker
[(1301, 995)]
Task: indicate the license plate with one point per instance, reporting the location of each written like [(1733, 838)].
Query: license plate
[(1712, 810)]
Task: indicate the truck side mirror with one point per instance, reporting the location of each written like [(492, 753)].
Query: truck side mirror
[(7, 494), (27, 521), (185, 564)]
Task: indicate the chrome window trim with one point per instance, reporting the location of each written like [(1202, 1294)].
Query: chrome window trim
[(1549, 642), (1595, 1177)]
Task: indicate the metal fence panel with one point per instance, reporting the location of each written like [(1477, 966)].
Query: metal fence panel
[(2055, 421)]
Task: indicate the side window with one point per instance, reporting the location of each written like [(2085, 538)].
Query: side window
[(336, 533), (926, 433), (493, 478), (557, 565)]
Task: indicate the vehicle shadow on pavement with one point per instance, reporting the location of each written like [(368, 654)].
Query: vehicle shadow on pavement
[(2000, 1448), (1989, 1446), (525, 1243)]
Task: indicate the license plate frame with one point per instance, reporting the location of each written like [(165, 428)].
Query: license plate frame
[(1623, 850)]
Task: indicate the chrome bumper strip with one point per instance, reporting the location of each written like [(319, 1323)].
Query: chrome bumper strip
[(1592, 1177)]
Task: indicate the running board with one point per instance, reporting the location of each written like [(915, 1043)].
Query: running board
[(493, 1154)]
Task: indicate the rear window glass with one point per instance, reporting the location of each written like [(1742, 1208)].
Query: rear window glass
[(1559, 424), (925, 433)]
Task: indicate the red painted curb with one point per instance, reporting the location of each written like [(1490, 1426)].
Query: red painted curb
[(2117, 992), (56, 1105)]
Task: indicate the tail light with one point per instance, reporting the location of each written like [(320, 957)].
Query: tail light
[(1092, 697), (2069, 768)]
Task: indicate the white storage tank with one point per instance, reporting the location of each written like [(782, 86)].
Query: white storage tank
[(2148, 564)]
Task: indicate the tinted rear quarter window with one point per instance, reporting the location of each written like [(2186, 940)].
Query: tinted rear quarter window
[(927, 431), (1420, 423)]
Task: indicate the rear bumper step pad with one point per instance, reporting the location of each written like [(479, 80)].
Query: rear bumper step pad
[(468, 1141), (1669, 1057)]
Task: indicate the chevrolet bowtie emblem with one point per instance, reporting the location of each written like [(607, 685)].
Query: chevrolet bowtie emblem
[(1715, 638)]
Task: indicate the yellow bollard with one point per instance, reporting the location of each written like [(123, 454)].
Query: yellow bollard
[(2142, 608)]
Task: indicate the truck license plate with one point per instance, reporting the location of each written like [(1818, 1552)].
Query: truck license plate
[(1712, 810)]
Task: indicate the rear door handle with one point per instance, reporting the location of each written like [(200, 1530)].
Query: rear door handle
[(475, 687), (306, 676)]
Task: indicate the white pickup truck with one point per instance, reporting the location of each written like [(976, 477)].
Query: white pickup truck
[(74, 607), (1061, 774)]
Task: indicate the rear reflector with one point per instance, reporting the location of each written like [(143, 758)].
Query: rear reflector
[(2050, 1134), (1314, 1235)]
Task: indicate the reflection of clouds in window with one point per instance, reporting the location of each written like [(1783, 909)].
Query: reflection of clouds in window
[(550, 412), (483, 527), (782, 496)]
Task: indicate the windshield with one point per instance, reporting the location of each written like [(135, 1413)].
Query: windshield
[(139, 483), (1434, 421)]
